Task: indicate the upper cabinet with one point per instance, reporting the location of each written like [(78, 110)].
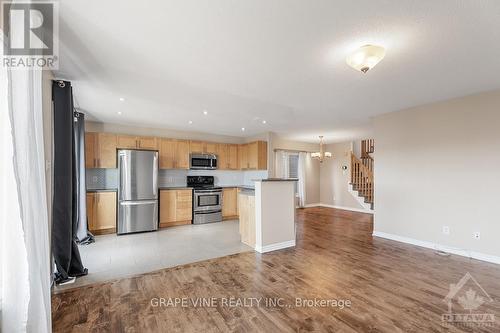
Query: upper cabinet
[(174, 154), (137, 142), (197, 147), (253, 156), (100, 150), (227, 157)]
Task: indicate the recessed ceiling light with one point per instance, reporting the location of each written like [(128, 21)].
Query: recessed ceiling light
[(205, 112), (119, 112), (243, 129), (122, 99), (366, 57), (264, 122), (190, 122)]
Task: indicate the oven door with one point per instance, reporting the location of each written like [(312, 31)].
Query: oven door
[(207, 200)]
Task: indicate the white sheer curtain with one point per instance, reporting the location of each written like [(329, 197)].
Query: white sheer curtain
[(301, 186), (281, 164), (25, 263)]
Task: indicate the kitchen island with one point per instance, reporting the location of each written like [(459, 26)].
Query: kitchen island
[(267, 215)]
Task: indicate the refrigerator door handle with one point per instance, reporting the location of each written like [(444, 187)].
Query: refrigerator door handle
[(136, 203)]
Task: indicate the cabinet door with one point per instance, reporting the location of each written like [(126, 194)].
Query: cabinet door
[(222, 156), (197, 146), (262, 155), (127, 142), (147, 142), (105, 211), (243, 156), (232, 157), (253, 155), (184, 205), (167, 153), (168, 200), (182, 154), (91, 211), (229, 202), (90, 150), (106, 154), (211, 148)]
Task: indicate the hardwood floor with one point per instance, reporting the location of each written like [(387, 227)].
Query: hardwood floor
[(392, 287)]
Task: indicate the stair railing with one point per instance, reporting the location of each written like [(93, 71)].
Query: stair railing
[(362, 178)]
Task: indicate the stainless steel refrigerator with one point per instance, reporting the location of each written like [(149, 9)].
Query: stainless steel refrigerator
[(137, 191)]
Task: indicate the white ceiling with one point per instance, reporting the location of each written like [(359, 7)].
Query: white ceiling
[(279, 60)]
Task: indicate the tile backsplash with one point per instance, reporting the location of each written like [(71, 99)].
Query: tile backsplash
[(101, 178), (108, 178)]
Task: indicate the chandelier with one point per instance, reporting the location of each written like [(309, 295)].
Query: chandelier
[(321, 154)]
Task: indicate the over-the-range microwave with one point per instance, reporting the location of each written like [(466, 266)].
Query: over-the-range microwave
[(203, 161)]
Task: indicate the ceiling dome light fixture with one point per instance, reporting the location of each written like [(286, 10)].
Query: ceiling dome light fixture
[(366, 57), (321, 154)]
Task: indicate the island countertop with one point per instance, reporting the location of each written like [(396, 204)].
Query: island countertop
[(276, 180)]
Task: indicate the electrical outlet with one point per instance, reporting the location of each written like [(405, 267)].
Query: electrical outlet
[(446, 230), (477, 235)]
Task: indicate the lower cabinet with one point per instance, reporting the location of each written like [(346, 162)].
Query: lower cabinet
[(247, 218), (101, 212), (229, 203), (176, 207)]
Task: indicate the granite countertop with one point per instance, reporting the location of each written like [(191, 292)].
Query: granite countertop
[(247, 191), (175, 188), (102, 189)]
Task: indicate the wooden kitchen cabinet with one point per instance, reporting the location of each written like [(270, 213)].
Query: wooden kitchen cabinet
[(197, 147), (100, 150), (253, 156), (174, 154), (229, 203), (90, 149), (176, 207), (232, 157), (127, 142), (137, 142), (246, 205), (211, 148), (147, 143), (101, 212), (227, 156)]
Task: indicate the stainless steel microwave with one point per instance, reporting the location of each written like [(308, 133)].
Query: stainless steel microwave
[(203, 161)]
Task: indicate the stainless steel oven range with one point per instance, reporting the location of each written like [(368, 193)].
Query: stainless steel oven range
[(207, 199)]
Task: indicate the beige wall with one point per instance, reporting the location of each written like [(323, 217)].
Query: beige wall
[(439, 165), (312, 166), (335, 181)]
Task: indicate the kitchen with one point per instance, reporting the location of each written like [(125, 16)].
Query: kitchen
[(180, 189)]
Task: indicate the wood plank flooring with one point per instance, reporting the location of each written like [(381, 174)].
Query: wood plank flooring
[(393, 287)]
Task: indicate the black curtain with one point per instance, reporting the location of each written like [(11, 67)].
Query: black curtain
[(64, 223), (83, 235)]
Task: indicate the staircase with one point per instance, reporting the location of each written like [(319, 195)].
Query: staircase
[(362, 173)]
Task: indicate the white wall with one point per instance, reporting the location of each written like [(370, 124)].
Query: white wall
[(335, 181), (439, 165)]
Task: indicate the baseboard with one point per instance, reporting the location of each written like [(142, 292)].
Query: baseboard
[(439, 247), (312, 205), (347, 208), (274, 247)]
